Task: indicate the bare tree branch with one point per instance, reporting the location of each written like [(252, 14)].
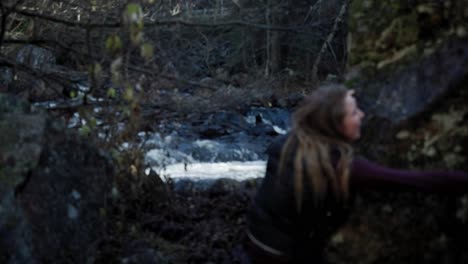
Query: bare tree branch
[(169, 77), (312, 9), (40, 74), (90, 55), (5, 12), (46, 42), (153, 23), (3, 21), (64, 21), (331, 35)]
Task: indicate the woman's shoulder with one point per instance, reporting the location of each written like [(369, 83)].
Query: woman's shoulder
[(277, 144)]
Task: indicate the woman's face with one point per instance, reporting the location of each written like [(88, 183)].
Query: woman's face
[(351, 127)]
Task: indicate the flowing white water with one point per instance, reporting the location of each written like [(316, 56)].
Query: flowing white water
[(238, 155), (177, 157), (238, 170)]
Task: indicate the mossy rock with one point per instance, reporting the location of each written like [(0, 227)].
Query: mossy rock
[(401, 32)]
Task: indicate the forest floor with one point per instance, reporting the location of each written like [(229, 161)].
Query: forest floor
[(158, 225)]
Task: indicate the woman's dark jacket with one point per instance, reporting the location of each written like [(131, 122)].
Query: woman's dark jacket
[(273, 219)]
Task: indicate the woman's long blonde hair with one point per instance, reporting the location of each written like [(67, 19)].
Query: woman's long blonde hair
[(316, 126)]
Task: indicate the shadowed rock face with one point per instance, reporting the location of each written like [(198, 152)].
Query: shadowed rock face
[(411, 93), (53, 185), (20, 147), (413, 89)]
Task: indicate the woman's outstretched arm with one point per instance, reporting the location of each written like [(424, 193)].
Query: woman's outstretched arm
[(369, 175)]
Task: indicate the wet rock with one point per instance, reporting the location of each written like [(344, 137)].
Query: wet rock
[(217, 137), (35, 57), (6, 77), (268, 121), (53, 189), (221, 123)]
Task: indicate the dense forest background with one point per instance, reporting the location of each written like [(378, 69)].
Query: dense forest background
[(177, 57), (142, 63), (177, 44)]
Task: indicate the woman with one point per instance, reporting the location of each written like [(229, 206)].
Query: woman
[(310, 175)]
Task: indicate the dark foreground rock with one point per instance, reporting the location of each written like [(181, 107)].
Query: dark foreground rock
[(53, 189)]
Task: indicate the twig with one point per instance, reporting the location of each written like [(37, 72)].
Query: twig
[(335, 58), (90, 55), (153, 23), (312, 9), (44, 42), (268, 42), (43, 75), (169, 77), (5, 12)]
